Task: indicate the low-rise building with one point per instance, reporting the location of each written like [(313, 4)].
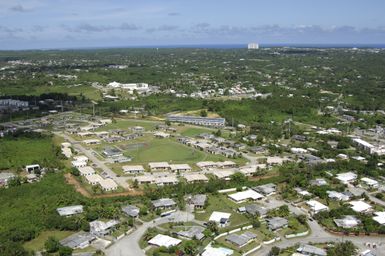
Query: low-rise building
[(242, 239), (198, 201), (206, 165), (277, 223), (32, 168), (195, 177), (254, 209), (70, 210), (266, 189), (338, 196), (108, 184), (360, 206), (311, 250), (195, 232), (180, 167), (78, 164), (163, 203), (243, 196), (316, 207), (318, 182), (346, 177), (379, 217), (93, 179), (371, 183), (347, 222), (101, 228), (164, 241), (86, 171), (131, 210), (159, 166), (221, 218), (133, 169), (78, 240)]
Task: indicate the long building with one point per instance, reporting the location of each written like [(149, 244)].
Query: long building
[(204, 121)]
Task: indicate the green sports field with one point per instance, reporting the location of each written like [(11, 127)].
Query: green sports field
[(155, 150)]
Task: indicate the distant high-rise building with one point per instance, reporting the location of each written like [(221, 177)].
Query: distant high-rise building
[(253, 46)]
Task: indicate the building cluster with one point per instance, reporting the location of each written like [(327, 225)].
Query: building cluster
[(91, 177), (140, 88)]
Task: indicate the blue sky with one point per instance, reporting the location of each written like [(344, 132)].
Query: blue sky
[(26, 24)]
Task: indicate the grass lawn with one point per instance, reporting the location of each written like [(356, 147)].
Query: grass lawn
[(16, 153), (193, 131), (168, 150), (37, 244), (222, 204)]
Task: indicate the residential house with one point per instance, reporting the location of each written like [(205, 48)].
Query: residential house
[(78, 240), (266, 189), (101, 228), (163, 203), (70, 210), (277, 223), (198, 201), (242, 239), (133, 169), (131, 210), (194, 232)]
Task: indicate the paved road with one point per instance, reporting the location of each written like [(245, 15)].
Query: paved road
[(129, 245), (120, 180), (318, 234)]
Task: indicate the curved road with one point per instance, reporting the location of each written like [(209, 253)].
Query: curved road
[(129, 245)]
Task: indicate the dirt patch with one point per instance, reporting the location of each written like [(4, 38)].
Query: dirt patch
[(80, 189), (256, 178)]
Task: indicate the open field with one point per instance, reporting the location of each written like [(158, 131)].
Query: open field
[(171, 151), (28, 151), (87, 91)]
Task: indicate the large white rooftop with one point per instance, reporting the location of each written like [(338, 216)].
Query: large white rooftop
[(379, 217), (217, 216), (360, 206), (245, 195), (163, 240), (316, 206)]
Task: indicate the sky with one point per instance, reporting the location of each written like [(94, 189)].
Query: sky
[(42, 24)]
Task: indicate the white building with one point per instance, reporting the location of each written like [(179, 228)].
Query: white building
[(316, 207), (108, 185), (370, 182), (163, 240), (221, 218), (133, 169), (243, 196), (93, 179), (86, 171), (252, 46), (70, 210), (131, 87), (78, 164), (180, 167), (360, 206), (346, 177), (379, 217), (157, 166)]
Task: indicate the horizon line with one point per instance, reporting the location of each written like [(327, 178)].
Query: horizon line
[(210, 46)]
